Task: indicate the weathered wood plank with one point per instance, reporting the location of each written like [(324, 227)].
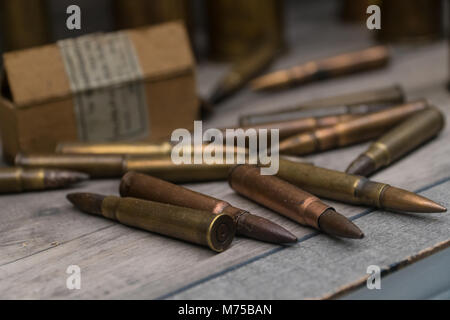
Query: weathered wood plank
[(119, 261)]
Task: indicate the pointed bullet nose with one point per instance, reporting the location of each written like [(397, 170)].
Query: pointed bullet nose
[(361, 166), (72, 197), (259, 228), (87, 202), (63, 178), (79, 176), (402, 200), (336, 224)]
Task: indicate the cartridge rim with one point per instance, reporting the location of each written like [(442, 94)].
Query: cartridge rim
[(221, 232)]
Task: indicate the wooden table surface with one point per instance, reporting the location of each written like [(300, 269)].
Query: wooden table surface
[(41, 234)]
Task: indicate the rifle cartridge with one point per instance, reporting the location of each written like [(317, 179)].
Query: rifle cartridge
[(355, 11), (235, 27), (350, 132), (150, 188), (421, 20), (147, 149), (357, 103), (18, 179), (401, 139), (110, 166), (242, 71), (353, 189), (139, 13), (344, 64), (289, 128), (115, 148), (200, 227), (290, 201), (24, 24)]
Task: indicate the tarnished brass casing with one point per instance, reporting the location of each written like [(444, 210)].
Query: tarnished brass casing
[(132, 149), (331, 184), (23, 24), (288, 128), (403, 138), (356, 11), (344, 64), (116, 148), (361, 102), (142, 186), (346, 133), (353, 189), (18, 179), (147, 187), (138, 13), (277, 195), (236, 27), (165, 169), (215, 231), (109, 166), (405, 20)]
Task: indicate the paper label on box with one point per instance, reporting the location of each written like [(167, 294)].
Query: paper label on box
[(106, 79)]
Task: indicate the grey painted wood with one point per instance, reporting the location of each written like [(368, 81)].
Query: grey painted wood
[(41, 234), (425, 279)]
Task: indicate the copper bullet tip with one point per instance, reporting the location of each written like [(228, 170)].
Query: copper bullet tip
[(87, 202), (265, 230), (63, 178), (336, 224), (361, 166), (402, 200)]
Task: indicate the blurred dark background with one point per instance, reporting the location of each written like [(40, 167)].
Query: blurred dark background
[(303, 22), (99, 15)]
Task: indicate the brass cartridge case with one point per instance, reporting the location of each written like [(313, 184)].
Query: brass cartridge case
[(355, 11), (236, 27), (401, 139), (150, 188), (23, 24), (289, 200), (137, 13), (344, 64), (200, 227), (361, 102), (340, 186), (110, 166), (404, 20), (18, 179), (137, 149), (242, 71), (353, 131), (289, 128), (116, 148)]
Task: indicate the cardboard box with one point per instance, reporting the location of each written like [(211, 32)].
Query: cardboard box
[(131, 85)]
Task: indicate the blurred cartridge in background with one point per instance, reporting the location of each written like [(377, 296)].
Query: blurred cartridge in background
[(236, 27), (355, 11), (349, 132), (398, 141), (137, 13), (114, 166), (24, 24), (355, 103), (326, 68), (405, 20)]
